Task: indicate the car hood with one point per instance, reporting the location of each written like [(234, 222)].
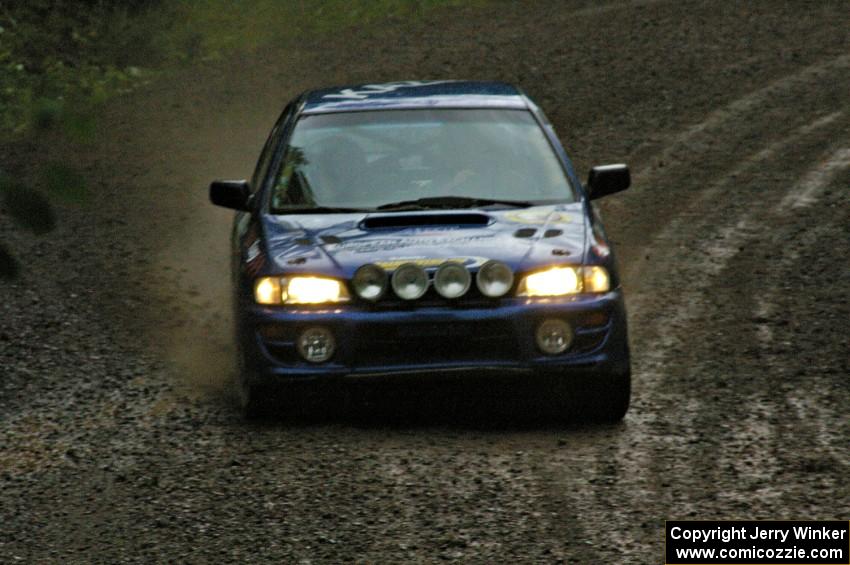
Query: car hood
[(337, 244)]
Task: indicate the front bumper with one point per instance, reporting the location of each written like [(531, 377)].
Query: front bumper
[(437, 338)]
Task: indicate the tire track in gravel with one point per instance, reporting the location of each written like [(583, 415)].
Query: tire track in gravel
[(750, 422), (708, 144), (815, 181), (809, 403), (769, 379), (699, 135), (607, 7), (805, 409), (658, 333)]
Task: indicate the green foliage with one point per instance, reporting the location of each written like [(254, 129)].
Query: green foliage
[(54, 53), (57, 54), (210, 29), (60, 59)]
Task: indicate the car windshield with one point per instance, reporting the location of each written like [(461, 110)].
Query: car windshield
[(362, 160)]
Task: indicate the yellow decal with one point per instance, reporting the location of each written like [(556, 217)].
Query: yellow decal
[(425, 263), (537, 217)]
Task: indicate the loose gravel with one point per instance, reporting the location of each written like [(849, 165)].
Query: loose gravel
[(120, 442)]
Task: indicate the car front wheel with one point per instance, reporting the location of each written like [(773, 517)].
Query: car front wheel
[(600, 397), (608, 397)]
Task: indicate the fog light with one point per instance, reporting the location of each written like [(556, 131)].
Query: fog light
[(410, 281), (554, 336), (452, 280), (316, 345)]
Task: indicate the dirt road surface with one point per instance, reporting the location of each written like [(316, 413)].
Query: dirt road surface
[(119, 440)]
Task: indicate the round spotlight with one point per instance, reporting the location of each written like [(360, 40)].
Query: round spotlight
[(452, 280), (554, 336), (410, 281), (316, 344), (494, 279), (370, 282)]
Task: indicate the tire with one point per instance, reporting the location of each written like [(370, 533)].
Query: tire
[(598, 398), (255, 401), (296, 402), (609, 397)]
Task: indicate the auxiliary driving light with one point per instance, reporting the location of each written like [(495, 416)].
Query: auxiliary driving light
[(554, 336), (452, 280), (316, 344), (410, 281), (494, 279), (370, 282)]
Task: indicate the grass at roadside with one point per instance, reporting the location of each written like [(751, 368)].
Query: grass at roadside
[(60, 59)]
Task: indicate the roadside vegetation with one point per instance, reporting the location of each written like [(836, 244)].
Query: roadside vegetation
[(58, 56), (61, 59)]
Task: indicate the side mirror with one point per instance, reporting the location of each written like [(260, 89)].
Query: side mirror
[(233, 194), (607, 179)]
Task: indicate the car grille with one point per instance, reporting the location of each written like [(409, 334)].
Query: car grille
[(412, 344), (384, 345)]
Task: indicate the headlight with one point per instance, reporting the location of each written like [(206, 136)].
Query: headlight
[(410, 281), (299, 290), (452, 280), (369, 282), (494, 279), (560, 281), (556, 281)]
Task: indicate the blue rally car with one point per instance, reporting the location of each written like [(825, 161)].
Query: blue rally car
[(425, 227)]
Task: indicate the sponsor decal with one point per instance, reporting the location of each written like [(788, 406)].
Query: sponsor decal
[(390, 244), (426, 262), (537, 217), (254, 258), (252, 252)]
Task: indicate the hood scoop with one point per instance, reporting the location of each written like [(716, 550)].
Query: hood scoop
[(416, 220)]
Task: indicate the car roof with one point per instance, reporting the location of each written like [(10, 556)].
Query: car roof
[(414, 94)]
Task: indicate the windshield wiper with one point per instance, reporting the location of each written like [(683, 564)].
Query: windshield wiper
[(447, 202)]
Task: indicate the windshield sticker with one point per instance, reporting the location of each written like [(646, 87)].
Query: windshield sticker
[(371, 89)]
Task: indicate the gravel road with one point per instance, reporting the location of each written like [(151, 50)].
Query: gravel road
[(119, 440)]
